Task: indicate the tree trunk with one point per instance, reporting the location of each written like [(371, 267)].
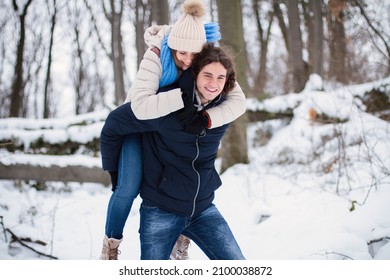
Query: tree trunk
[(234, 143), (337, 41), (17, 94), (140, 15), (264, 38), (282, 25), (316, 38), (46, 110), (297, 65), (158, 15), (80, 77), (160, 12), (117, 56)]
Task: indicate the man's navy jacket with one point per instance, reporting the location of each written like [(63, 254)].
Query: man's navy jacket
[(178, 167)]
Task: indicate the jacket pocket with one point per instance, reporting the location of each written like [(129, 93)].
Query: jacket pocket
[(210, 181), (178, 184)]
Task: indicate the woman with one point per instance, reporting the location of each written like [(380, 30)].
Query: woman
[(171, 52)]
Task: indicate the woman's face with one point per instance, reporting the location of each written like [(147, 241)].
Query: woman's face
[(184, 59), (211, 81)]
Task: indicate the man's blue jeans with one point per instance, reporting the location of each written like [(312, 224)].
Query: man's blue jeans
[(160, 229), (129, 181)]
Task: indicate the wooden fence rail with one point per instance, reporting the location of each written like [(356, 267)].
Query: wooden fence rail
[(76, 173)]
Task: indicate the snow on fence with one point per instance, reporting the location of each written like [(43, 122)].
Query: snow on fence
[(65, 149)]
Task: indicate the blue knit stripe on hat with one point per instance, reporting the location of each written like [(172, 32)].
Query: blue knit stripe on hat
[(169, 69)]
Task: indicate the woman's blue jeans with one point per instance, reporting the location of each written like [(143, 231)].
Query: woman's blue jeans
[(129, 181), (160, 229)]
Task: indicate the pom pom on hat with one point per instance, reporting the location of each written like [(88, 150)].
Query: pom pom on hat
[(188, 33), (194, 7)]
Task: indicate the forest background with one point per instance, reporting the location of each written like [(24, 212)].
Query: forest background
[(61, 58)]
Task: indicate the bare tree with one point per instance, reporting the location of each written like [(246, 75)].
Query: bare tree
[(337, 40), (316, 38), (98, 82), (282, 24), (234, 143), (141, 19), (78, 72), (89, 82), (34, 61), (212, 8), (114, 16), (264, 38), (145, 16), (3, 92), (46, 108), (297, 64), (380, 34), (17, 94), (160, 12), (279, 14)]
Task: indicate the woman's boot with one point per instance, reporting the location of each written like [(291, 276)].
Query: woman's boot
[(110, 248), (180, 250)]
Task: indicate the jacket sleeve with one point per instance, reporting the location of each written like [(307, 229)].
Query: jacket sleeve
[(142, 95), (120, 122), (155, 34), (229, 110)]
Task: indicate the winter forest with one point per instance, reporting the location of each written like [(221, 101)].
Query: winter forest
[(316, 74)]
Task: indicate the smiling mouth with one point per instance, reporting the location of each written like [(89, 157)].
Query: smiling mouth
[(211, 90)]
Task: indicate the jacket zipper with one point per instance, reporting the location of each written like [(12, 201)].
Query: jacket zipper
[(198, 176)]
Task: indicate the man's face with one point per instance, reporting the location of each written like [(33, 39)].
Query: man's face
[(210, 82)]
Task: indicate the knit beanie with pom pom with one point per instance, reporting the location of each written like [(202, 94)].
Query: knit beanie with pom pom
[(188, 33)]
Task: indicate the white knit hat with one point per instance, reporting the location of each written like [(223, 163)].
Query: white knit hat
[(188, 33)]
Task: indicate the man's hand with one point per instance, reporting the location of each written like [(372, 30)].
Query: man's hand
[(114, 179), (188, 112), (199, 124)]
